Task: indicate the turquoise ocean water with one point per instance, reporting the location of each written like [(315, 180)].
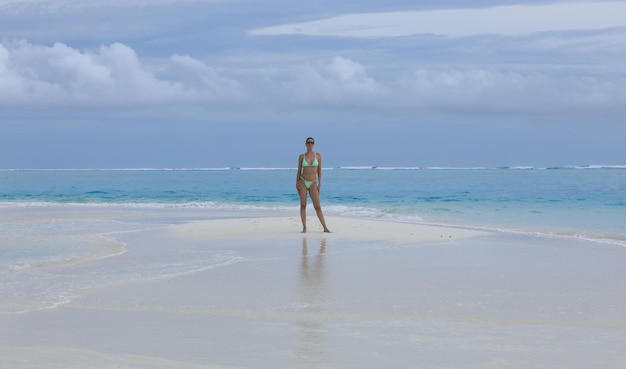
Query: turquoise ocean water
[(58, 217)]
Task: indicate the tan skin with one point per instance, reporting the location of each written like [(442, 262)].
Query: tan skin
[(313, 174)]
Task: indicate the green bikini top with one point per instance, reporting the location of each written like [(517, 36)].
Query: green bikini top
[(305, 164)]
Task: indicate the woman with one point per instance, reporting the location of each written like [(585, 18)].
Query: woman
[(309, 179)]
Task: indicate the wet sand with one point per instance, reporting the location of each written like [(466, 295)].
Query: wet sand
[(372, 294)]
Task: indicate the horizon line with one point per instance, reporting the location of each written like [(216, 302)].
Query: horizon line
[(341, 167)]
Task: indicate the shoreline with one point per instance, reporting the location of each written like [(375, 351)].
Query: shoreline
[(165, 213), (352, 228)]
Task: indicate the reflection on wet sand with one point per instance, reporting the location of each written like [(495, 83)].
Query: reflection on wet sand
[(311, 331), (312, 272)]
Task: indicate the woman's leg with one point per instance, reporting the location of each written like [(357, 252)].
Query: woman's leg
[(302, 192), (315, 198)]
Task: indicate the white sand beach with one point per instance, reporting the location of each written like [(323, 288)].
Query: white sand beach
[(344, 228), (371, 294)]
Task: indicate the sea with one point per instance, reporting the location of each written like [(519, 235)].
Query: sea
[(54, 220)]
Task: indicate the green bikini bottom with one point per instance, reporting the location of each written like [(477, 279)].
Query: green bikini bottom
[(308, 183)]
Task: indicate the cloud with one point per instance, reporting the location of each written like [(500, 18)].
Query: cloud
[(588, 43), (502, 20), (338, 82), (204, 82), (59, 76), (35, 75), (510, 91), (342, 83), (15, 7)]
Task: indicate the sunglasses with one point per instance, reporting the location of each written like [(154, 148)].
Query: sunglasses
[(310, 143)]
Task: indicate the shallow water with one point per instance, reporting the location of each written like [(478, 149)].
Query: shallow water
[(52, 221)]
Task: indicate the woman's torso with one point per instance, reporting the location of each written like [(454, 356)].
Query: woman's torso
[(310, 164)]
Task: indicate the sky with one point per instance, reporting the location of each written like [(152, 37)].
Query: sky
[(243, 83)]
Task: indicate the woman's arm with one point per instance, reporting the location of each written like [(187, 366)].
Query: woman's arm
[(319, 171), (299, 170)]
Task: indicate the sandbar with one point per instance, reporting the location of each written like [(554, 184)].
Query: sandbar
[(254, 292)]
